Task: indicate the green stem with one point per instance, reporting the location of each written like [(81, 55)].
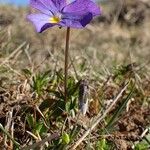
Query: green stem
[(66, 62)]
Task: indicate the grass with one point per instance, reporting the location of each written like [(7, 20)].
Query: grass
[(112, 58)]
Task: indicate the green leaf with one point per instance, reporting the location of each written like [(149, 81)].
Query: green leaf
[(73, 103), (27, 72), (30, 120), (141, 146), (102, 144), (38, 127), (43, 130), (40, 81), (67, 106), (65, 138)]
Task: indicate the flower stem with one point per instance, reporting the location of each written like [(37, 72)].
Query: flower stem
[(66, 62)]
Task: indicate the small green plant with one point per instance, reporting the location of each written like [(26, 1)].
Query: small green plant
[(103, 144), (65, 138), (142, 146), (40, 81), (37, 127)]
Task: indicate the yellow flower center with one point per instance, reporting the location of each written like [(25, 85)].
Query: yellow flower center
[(55, 19)]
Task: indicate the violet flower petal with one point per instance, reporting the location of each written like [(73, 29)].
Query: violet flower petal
[(76, 21), (69, 13), (59, 4), (81, 7), (45, 6), (41, 21)]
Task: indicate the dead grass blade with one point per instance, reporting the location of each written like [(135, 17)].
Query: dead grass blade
[(13, 53), (41, 143)]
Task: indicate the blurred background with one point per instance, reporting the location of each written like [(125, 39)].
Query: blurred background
[(120, 36), (15, 2)]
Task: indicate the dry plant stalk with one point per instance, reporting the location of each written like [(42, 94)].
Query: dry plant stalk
[(42, 142)]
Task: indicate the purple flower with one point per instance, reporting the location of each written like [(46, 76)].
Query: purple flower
[(69, 13)]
